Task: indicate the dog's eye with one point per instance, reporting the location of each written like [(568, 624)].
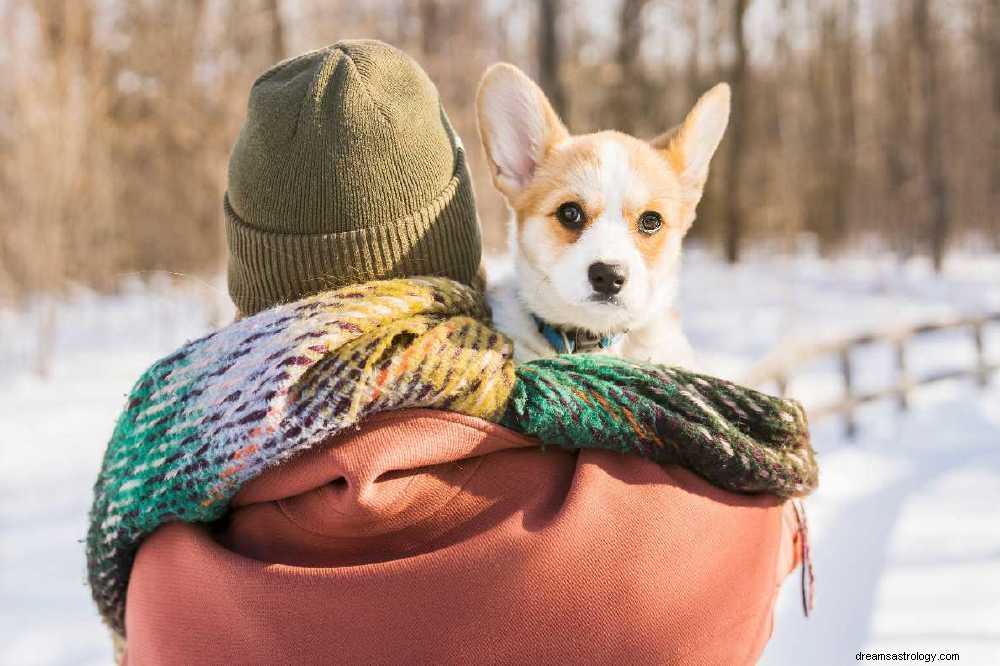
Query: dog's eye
[(650, 222), (570, 215)]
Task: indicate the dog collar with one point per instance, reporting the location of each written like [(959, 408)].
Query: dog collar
[(573, 340)]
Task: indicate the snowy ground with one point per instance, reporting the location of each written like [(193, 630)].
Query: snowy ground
[(54, 431), (905, 525), (906, 531)]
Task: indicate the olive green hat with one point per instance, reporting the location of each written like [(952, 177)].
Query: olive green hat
[(346, 170)]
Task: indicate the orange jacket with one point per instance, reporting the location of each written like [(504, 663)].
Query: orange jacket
[(428, 537)]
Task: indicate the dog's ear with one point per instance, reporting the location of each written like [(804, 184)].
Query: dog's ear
[(689, 146), (517, 126)]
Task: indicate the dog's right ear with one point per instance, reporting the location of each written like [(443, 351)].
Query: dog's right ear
[(517, 126)]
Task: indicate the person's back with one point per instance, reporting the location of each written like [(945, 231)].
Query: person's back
[(330, 478), (429, 537)]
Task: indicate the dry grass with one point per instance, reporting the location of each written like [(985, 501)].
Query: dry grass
[(116, 119)]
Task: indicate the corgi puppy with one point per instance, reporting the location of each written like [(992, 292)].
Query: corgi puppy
[(597, 224)]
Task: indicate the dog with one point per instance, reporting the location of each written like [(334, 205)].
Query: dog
[(596, 226)]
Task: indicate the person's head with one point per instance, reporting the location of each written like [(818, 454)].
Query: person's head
[(346, 170)]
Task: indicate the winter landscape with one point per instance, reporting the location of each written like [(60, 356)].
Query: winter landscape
[(905, 529), (856, 190)]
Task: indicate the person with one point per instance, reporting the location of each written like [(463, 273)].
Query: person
[(441, 535)]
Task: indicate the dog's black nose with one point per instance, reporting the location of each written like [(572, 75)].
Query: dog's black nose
[(607, 279)]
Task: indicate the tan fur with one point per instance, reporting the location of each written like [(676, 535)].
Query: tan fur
[(568, 163), (615, 179)]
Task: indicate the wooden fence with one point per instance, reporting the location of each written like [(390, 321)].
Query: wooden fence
[(776, 371)]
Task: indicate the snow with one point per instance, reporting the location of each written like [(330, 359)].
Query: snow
[(54, 431), (906, 537), (905, 526)]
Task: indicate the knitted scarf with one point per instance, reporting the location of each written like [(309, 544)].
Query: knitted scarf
[(202, 422)]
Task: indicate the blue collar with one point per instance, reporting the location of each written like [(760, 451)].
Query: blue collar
[(573, 340)]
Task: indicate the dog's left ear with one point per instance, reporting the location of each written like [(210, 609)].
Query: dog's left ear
[(689, 146)]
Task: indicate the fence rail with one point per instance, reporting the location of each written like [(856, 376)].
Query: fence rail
[(778, 369)]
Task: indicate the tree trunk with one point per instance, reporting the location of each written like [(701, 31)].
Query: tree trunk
[(822, 207), (549, 54), (737, 122), (692, 73), (843, 182), (992, 49), (430, 27), (926, 43), (277, 30), (625, 101), (897, 145)]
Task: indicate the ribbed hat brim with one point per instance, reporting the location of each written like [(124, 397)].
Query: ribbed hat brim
[(267, 268)]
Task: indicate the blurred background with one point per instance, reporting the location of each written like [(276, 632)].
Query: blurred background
[(847, 252), (856, 123)]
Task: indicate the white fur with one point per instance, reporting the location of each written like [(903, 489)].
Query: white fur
[(519, 130), (559, 291)]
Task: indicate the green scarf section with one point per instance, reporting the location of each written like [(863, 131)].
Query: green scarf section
[(202, 422), (734, 437)]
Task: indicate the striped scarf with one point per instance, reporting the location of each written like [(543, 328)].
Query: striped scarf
[(202, 422)]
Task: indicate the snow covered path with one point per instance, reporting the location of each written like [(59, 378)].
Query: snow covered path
[(905, 526), (53, 436), (906, 541)]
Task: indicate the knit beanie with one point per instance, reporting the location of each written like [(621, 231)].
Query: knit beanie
[(346, 170)]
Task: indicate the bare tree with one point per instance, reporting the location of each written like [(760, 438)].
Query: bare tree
[(626, 101), (988, 42), (846, 130), (550, 54), (277, 32), (832, 88), (114, 112), (431, 27), (993, 29), (738, 79), (693, 75), (926, 42), (896, 63)]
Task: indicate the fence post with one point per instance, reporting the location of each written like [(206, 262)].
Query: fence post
[(903, 384), (982, 369), (850, 425)]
